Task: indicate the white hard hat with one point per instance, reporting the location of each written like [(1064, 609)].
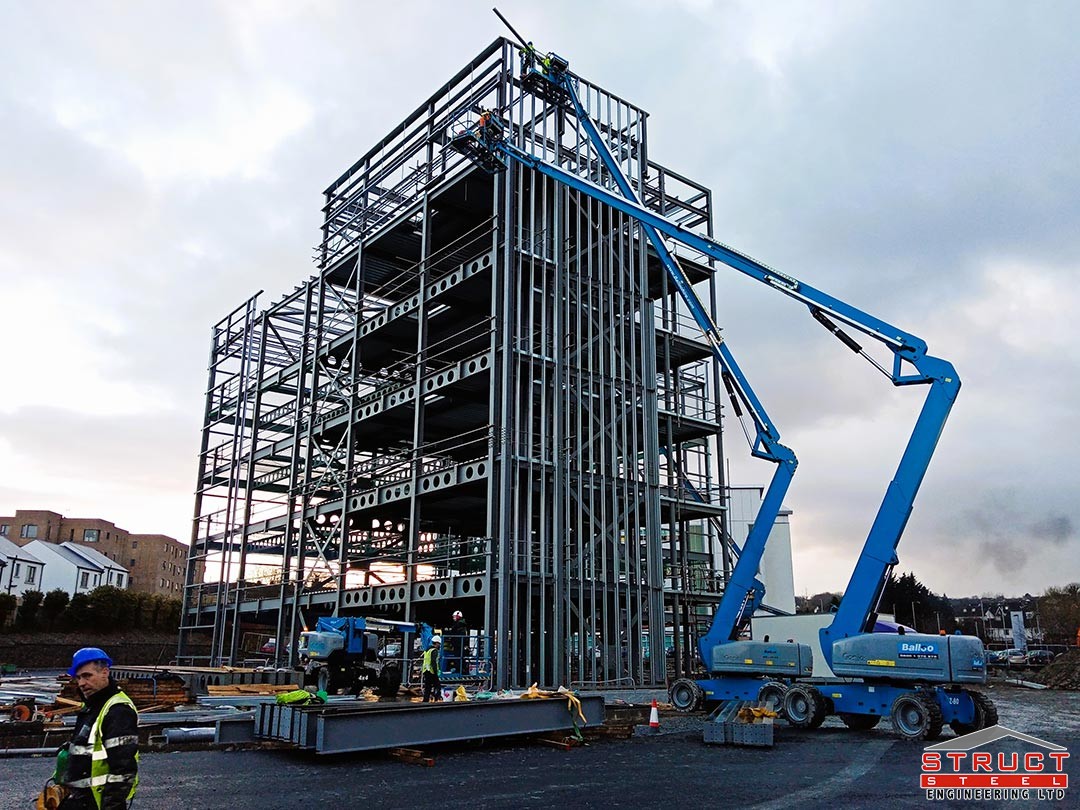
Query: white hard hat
[(457, 614), (436, 639)]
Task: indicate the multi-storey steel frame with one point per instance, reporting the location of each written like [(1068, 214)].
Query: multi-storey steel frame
[(486, 398)]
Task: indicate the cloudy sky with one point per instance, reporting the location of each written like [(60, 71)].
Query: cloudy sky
[(163, 161)]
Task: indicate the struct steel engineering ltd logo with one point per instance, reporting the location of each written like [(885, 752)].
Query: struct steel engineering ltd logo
[(955, 770)]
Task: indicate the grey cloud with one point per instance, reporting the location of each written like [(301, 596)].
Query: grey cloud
[(885, 166), (886, 159), (1057, 529), (995, 526)]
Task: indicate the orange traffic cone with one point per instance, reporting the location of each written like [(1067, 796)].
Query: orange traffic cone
[(654, 718)]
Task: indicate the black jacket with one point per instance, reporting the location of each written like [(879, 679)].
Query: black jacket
[(120, 735), (456, 636)]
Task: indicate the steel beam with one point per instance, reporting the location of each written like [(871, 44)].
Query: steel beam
[(339, 729)]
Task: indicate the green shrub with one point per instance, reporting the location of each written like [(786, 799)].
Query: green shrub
[(144, 611), (169, 615), (7, 608), (107, 609), (53, 607), (78, 615), (27, 616), (113, 608)]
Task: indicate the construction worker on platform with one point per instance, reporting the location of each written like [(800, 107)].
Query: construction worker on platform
[(101, 768), (430, 671), (457, 638), (529, 55)]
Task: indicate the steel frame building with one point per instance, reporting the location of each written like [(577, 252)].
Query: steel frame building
[(486, 398)]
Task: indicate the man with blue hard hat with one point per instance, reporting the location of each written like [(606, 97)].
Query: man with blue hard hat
[(101, 769)]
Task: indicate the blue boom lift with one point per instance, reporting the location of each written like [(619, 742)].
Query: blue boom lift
[(343, 653), (917, 680)]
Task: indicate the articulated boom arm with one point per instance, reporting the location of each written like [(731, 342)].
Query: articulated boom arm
[(911, 365)]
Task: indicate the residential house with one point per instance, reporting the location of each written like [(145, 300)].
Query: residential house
[(75, 569), (112, 572), (20, 570), (990, 618)]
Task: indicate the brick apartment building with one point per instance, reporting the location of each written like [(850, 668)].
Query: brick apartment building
[(155, 561)]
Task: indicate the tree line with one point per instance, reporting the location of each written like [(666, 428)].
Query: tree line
[(904, 596), (915, 605), (1059, 611), (104, 609)]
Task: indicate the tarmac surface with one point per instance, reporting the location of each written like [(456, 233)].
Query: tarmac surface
[(832, 767)]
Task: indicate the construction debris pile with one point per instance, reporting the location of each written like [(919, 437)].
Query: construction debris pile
[(153, 693), (230, 706), (38, 710), (21, 688), (1063, 673)]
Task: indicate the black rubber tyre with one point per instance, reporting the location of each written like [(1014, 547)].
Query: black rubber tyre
[(322, 680), (772, 693), (805, 706), (986, 715), (860, 722), (916, 716), (988, 707), (686, 695), (937, 720), (389, 681)]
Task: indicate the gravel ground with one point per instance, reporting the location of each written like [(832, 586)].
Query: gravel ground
[(829, 768)]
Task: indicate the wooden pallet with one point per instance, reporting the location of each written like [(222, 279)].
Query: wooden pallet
[(608, 731), (412, 756), (242, 689)]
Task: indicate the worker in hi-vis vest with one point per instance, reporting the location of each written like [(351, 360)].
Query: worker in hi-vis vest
[(430, 671), (101, 767)]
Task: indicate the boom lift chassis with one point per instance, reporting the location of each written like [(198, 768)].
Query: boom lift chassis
[(918, 680)]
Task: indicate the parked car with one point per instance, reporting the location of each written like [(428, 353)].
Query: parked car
[(1039, 658), (391, 649), (270, 647), (996, 658), (1016, 657)]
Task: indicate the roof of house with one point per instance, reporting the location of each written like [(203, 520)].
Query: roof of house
[(93, 556), (16, 552), (65, 554)]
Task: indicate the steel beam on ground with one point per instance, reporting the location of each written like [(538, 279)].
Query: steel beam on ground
[(366, 727), (234, 730)]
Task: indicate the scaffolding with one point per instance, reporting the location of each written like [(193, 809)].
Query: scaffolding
[(486, 398)]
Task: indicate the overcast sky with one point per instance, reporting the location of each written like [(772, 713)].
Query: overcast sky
[(163, 161)]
